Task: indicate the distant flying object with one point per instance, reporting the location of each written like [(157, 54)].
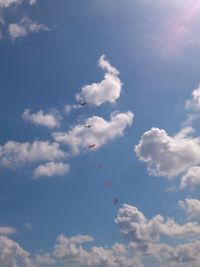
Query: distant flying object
[(115, 201), (99, 165), (82, 103), (108, 184), (88, 126), (91, 146)]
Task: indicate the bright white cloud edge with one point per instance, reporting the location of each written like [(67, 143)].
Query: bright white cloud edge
[(51, 169), (108, 90), (50, 120)]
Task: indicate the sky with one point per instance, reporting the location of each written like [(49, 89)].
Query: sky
[(99, 136)]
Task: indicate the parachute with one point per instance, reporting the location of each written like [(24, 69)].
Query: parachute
[(82, 103), (115, 201), (91, 146), (88, 126)]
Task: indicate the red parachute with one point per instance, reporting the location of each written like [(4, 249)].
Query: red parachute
[(91, 146)]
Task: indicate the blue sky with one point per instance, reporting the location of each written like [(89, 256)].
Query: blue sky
[(122, 77)]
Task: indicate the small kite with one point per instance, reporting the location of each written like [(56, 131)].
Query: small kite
[(115, 201), (91, 146)]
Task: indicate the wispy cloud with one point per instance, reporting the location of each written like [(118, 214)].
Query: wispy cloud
[(51, 169), (25, 27), (191, 207), (7, 230), (50, 120), (14, 154), (7, 3), (191, 179)]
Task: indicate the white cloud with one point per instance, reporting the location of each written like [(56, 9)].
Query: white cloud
[(32, 2), (142, 231), (7, 3), (51, 169), (100, 132), (7, 230), (184, 255), (194, 102), (193, 106), (24, 27), (192, 208), (66, 247), (105, 65), (12, 255), (50, 120), (44, 260), (14, 154), (168, 155), (15, 30), (108, 90), (69, 108), (191, 179), (71, 252), (1, 24)]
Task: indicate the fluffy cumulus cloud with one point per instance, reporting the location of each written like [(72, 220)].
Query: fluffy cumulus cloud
[(72, 253), (12, 255), (24, 27), (51, 169), (168, 155), (144, 237), (50, 120), (184, 255), (142, 231), (191, 207), (108, 90), (14, 154), (100, 132), (191, 179), (44, 260), (194, 102)]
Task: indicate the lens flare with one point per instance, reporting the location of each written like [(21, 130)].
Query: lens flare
[(180, 30)]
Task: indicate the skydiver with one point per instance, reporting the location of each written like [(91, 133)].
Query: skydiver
[(115, 201), (88, 126), (99, 165), (91, 146), (82, 103)]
